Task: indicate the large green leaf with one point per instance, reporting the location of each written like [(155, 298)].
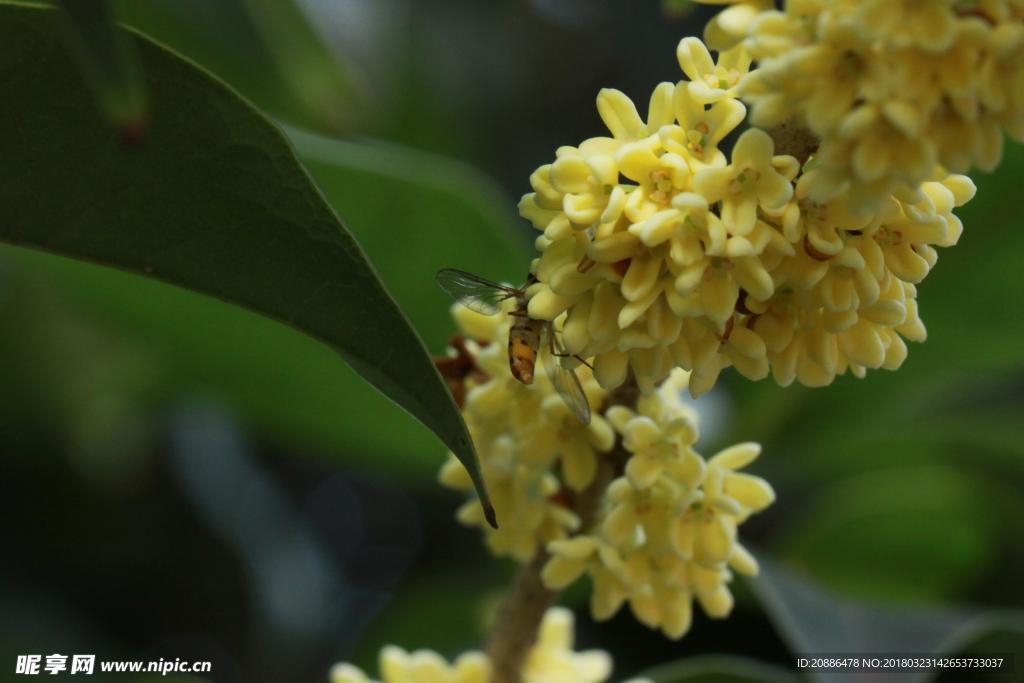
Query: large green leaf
[(214, 200), (284, 383)]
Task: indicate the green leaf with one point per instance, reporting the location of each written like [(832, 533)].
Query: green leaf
[(312, 73), (719, 669), (813, 621), (266, 49), (215, 201), (444, 212), (449, 215), (912, 533)]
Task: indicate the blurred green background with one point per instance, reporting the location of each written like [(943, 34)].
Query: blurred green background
[(186, 478)]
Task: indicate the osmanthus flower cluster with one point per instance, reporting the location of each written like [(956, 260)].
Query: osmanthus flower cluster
[(661, 252), (532, 449), (664, 532), (679, 245), (551, 660), (890, 87)]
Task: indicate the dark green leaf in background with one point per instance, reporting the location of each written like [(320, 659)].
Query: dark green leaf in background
[(266, 49), (214, 201), (815, 622), (908, 533), (719, 669)]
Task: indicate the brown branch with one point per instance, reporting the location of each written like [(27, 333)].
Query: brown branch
[(523, 607), (519, 618)]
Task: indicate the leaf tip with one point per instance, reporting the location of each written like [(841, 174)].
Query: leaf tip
[(492, 518)]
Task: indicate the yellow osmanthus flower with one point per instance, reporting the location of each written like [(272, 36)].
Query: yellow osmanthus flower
[(748, 182), (660, 252), (730, 26), (892, 88), (522, 433), (422, 666), (710, 81), (666, 533), (551, 660)]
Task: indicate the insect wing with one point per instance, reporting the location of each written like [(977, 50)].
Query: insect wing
[(566, 383), (473, 291)]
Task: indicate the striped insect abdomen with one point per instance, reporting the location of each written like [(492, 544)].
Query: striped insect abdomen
[(523, 343)]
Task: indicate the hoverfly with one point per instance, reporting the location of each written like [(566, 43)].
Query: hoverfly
[(524, 337)]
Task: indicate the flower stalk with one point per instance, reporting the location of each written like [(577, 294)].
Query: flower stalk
[(523, 607), (518, 619)]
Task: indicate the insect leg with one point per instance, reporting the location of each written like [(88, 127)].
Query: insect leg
[(582, 360)]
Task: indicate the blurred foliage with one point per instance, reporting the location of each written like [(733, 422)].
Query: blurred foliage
[(719, 669), (902, 488), (816, 622), (911, 517), (108, 62), (276, 58), (677, 8)]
